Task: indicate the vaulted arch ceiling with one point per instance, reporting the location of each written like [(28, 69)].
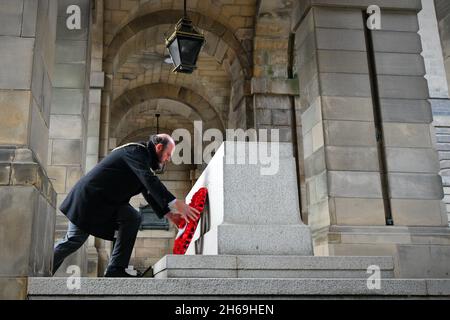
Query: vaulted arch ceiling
[(209, 81), (236, 14), (232, 47), (134, 53), (142, 134), (140, 61), (188, 97), (173, 115)]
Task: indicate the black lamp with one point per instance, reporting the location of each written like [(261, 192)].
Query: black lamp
[(184, 45)]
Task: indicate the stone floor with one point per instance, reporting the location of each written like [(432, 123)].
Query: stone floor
[(250, 277), (214, 288)]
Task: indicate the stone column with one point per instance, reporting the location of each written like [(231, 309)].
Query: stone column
[(443, 17), (274, 85), (69, 115), (27, 198), (371, 170), (271, 87), (101, 75), (406, 116), (440, 78), (340, 150), (96, 83)]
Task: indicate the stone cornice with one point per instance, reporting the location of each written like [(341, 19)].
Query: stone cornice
[(302, 7), (18, 167)]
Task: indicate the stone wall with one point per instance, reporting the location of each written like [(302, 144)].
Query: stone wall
[(27, 198), (27, 53), (437, 19), (69, 113)]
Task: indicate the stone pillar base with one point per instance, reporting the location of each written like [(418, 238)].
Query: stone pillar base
[(264, 240), (27, 221), (419, 252), (269, 266)]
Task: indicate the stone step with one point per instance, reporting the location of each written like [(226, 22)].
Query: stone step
[(248, 266), (213, 288)]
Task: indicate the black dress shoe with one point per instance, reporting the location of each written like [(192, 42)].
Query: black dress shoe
[(117, 272)]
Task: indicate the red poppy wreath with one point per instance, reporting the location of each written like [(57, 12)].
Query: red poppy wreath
[(186, 230)]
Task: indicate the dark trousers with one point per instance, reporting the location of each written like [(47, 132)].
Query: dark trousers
[(128, 221)]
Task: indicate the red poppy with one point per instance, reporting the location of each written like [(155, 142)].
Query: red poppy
[(186, 232)]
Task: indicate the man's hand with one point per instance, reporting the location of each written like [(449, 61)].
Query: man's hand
[(184, 211), (174, 218)]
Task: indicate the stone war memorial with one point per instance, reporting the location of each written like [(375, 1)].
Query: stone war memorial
[(319, 128)]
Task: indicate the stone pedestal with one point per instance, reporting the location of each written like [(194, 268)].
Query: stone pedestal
[(252, 209), (74, 118), (270, 267), (27, 221)]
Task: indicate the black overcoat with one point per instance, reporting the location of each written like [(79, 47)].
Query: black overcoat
[(127, 171)]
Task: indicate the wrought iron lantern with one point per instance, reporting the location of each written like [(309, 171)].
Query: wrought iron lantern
[(184, 45)]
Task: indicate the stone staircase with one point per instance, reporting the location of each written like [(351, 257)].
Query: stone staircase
[(255, 249), (270, 267), (250, 277)]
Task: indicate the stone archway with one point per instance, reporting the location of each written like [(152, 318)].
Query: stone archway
[(173, 115), (212, 88), (165, 91), (222, 45), (163, 17), (227, 54)]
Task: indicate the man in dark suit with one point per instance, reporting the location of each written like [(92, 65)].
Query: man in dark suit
[(98, 204)]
